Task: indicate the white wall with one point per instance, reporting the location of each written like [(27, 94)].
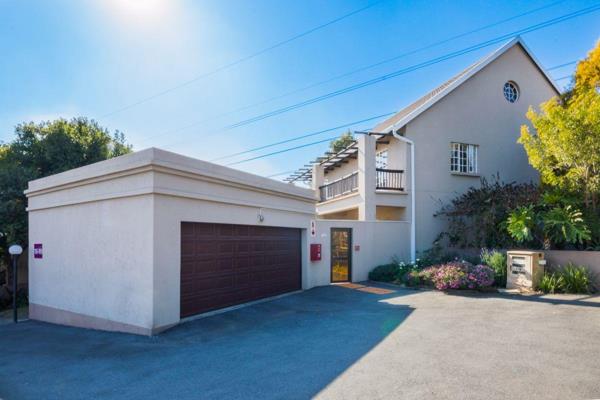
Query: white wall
[(97, 261), (378, 241)]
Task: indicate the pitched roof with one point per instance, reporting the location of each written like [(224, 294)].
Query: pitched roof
[(413, 110)]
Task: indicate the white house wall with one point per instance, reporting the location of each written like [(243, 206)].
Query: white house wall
[(378, 241), (475, 113)]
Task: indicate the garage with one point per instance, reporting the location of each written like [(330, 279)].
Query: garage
[(224, 264), (139, 242)]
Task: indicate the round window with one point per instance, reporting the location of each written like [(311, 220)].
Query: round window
[(511, 91)]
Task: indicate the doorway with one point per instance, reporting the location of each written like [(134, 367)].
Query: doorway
[(341, 256)]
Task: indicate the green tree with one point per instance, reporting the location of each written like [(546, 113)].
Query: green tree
[(342, 142), (42, 149), (565, 147)]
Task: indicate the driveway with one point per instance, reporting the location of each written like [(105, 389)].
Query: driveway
[(330, 342)]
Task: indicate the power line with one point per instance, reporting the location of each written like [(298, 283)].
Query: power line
[(415, 67), (355, 71), (282, 151), (562, 65), (412, 68), (526, 30), (301, 137), (239, 61), (339, 126), (280, 173)]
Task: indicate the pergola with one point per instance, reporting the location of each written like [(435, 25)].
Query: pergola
[(331, 160)]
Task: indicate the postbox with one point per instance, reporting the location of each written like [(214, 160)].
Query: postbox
[(315, 252), (524, 270)]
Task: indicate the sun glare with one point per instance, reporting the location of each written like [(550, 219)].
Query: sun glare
[(141, 11)]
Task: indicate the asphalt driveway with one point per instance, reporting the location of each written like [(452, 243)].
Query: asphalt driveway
[(329, 342)]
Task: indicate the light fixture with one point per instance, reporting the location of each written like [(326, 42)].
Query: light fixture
[(15, 250)]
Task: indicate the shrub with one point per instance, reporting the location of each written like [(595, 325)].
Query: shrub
[(547, 224), (474, 216), (569, 279), (480, 276), (449, 276), (412, 278), (551, 283), (435, 256), (426, 276), (461, 275), (496, 260), (576, 279), (385, 273), (395, 271)]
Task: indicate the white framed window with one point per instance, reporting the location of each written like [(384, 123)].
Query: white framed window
[(463, 158), (381, 159)]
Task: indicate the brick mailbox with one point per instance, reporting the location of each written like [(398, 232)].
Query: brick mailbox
[(525, 269)]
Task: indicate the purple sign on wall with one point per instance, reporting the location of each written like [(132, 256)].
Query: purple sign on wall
[(37, 250)]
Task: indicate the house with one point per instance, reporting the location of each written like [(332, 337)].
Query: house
[(434, 149), (144, 241)]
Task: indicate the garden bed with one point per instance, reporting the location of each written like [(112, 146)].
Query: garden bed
[(453, 275)]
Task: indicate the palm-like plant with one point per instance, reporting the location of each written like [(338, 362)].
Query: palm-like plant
[(565, 225), (521, 223), (558, 225)]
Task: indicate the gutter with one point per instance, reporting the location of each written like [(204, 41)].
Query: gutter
[(413, 226)]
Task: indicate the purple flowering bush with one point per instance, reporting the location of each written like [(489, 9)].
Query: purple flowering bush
[(461, 275), (450, 275)]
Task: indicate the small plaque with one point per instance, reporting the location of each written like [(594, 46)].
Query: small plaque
[(38, 250)]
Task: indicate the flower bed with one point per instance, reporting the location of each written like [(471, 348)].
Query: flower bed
[(452, 275), (447, 276)]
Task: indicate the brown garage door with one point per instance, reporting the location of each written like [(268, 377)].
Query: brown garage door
[(223, 265)]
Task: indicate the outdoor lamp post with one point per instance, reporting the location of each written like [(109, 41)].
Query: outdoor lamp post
[(15, 251)]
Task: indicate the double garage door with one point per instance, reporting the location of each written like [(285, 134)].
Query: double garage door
[(223, 265)]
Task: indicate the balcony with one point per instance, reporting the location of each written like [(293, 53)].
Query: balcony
[(385, 179), (340, 187), (389, 179)]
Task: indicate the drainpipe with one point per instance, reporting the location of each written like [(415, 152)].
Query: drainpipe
[(413, 226)]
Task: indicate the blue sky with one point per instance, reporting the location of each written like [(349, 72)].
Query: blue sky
[(90, 58)]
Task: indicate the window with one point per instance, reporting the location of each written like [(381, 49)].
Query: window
[(463, 158), (511, 91), (381, 159)]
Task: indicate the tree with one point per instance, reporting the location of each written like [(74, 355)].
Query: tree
[(587, 73), (342, 142), (44, 149), (565, 147)]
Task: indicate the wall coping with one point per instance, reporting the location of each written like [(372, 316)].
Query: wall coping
[(169, 162)]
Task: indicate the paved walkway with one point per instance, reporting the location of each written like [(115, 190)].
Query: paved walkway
[(332, 343)]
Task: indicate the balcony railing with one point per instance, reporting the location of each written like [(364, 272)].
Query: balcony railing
[(340, 187), (389, 179)]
